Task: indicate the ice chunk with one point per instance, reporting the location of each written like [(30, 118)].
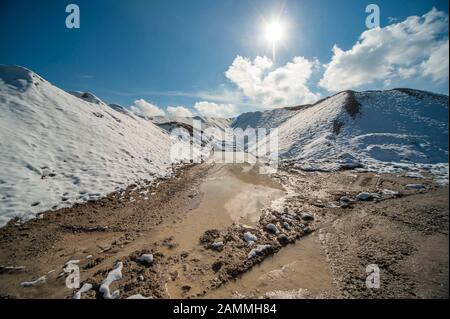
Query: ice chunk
[(390, 192), (249, 237), (272, 228), (113, 275), (146, 259)]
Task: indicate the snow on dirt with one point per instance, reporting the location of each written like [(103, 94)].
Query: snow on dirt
[(39, 281), (57, 149), (85, 288), (113, 275), (265, 119)]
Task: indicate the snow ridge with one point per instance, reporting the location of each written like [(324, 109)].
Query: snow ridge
[(57, 149), (384, 131)]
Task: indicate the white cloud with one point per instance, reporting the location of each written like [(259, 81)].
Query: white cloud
[(221, 94), (437, 65), (210, 109), (179, 111), (144, 108), (415, 47), (284, 86)]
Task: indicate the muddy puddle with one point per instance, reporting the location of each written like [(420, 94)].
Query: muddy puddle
[(232, 193), (299, 270), (236, 194)]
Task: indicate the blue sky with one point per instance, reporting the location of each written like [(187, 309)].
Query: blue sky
[(177, 53)]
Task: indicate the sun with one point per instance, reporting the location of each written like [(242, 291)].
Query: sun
[(274, 32)]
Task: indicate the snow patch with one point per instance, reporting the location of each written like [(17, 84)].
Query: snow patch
[(39, 281), (85, 288), (138, 296), (113, 275)]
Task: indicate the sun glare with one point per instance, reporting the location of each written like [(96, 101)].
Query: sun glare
[(274, 32)]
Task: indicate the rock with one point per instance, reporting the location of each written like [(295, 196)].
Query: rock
[(249, 237), (217, 245), (186, 288), (173, 275), (307, 230), (345, 199), (209, 236), (415, 186), (286, 226), (319, 204), (345, 205), (283, 239), (184, 254), (307, 216), (272, 228), (288, 218), (146, 259), (365, 196), (216, 266), (258, 251), (141, 278)]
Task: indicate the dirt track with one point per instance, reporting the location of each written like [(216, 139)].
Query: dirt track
[(407, 237)]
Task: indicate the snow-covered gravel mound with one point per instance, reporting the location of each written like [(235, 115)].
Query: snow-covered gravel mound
[(384, 131), (57, 148), (265, 119)]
